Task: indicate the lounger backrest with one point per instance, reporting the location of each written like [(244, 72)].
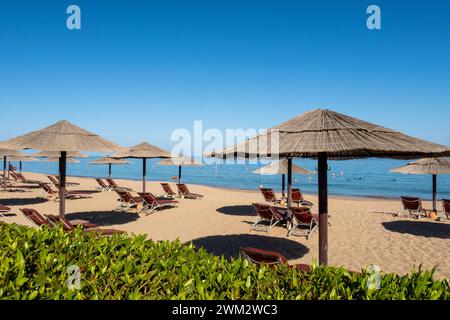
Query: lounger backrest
[(34, 216), (55, 220), (21, 176), (297, 195), (446, 205), (263, 210), (124, 195), (302, 214), (14, 175), (47, 188), (183, 189), (260, 256), (167, 189), (268, 194), (54, 181), (112, 183), (101, 183), (148, 197), (411, 203)]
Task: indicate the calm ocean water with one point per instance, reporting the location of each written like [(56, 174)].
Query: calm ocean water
[(366, 177)]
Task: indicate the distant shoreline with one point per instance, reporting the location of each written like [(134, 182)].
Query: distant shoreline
[(335, 195)]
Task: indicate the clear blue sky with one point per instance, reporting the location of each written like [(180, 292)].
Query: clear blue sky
[(139, 69)]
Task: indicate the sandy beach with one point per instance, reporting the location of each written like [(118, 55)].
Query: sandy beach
[(362, 231)]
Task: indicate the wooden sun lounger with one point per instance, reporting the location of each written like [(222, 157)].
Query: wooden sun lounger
[(270, 258), (151, 203), (413, 205), (446, 207), (168, 190), (102, 186), (89, 227), (185, 193), (304, 222), (39, 220), (51, 194), (3, 210), (269, 195), (68, 225), (113, 185), (297, 198), (126, 201), (55, 181), (266, 214)]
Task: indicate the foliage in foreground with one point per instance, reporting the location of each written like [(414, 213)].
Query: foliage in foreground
[(33, 265)]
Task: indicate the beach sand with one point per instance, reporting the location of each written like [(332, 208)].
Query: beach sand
[(362, 231)]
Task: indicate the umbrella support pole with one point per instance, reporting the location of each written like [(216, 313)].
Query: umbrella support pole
[(434, 192), (289, 192), (323, 208), (4, 168), (179, 174), (144, 173), (109, 171), (282, 185), (62, 183)]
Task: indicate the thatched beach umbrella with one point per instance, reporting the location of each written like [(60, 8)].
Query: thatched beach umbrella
[(433, 166), (5, 153), (68, 160), (281, 167), (325, 134), (20, 159), (142, 151), (181, 161), (56, 154), (109, 161), (62, 137)]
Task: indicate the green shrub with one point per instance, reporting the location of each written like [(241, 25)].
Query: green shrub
[(33, 265)]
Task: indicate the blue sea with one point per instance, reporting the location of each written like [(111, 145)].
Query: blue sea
[(365, 177)]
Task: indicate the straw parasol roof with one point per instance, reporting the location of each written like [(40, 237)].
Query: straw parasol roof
[(338, 135), (5, 153), (23, 158), (142, 150), (425, 166), (61, 136), (108, 160), (180, 161), (281, 167), (56, 159), (10, 153), (56, 154)]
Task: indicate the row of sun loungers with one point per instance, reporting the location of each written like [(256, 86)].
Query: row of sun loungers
[(413, 206), (145, 202), (183, 190), (67, 225)]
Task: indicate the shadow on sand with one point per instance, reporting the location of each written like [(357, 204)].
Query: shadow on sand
[(419, 228), (104, 218), (22, 201), (228, 245), (242, 210)]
